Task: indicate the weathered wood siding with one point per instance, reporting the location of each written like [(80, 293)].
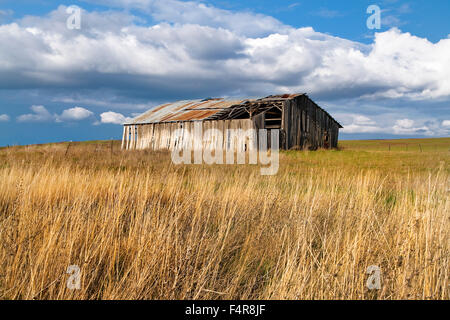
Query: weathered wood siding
[(161, 136), (306, 126)]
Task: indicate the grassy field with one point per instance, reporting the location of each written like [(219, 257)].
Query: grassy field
[(140, 227)]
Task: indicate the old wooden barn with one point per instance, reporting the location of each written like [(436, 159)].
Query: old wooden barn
[(302, 123)]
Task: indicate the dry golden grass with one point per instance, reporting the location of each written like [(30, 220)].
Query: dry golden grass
[(140, 227)]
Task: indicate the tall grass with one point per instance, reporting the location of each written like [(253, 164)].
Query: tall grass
[(140, 227)]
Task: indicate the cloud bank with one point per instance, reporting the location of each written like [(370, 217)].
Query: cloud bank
[(114, 52), (195, 50)]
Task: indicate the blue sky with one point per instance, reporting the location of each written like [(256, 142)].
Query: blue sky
[(58, 84)]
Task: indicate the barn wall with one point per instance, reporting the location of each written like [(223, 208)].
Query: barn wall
[(306, 126), (161, 136)]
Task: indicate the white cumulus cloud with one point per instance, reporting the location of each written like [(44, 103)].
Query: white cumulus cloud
[(4, 118), (407, 127), (201, 54), (405, 123), (75, 114), (196, 12), (388, 124), (40, 114), (356, 123), (113, 117)]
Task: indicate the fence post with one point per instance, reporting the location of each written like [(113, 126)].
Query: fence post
[(67, 150)]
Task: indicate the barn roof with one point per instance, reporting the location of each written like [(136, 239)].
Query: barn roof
[(187, 110), (195, 110)]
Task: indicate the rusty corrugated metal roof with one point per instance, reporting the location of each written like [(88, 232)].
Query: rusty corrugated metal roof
[(195, 110), (188, 110)]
